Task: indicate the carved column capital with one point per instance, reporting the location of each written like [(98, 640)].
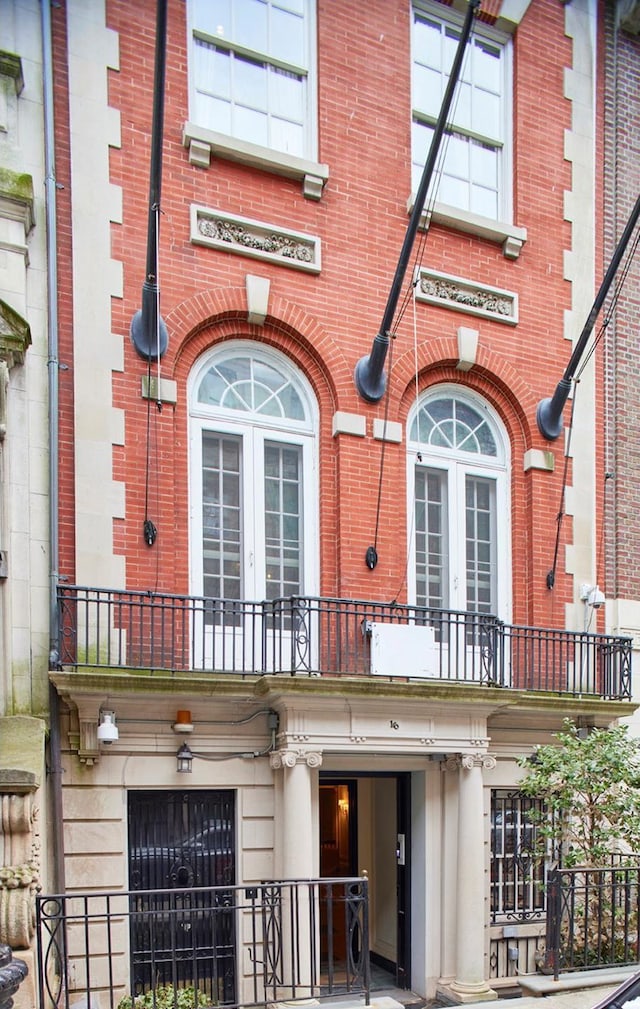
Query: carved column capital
[(467, 761), (483, 760), (291, 757)]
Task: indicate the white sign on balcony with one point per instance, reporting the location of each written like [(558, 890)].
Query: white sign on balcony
[(403, 650)]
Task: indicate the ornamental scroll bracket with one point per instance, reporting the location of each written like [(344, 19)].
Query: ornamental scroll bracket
[(20, 868)]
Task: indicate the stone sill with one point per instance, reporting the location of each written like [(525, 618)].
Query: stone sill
[(509, 236), (203, 143)]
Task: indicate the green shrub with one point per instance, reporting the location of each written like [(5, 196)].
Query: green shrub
[(166, 997)]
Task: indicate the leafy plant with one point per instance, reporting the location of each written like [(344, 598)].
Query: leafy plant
[(590, 786), (167, 997)]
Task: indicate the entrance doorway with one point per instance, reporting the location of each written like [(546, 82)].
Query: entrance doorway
[(364, 827)]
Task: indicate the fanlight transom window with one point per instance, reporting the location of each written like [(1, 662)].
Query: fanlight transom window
[(248, 384), (454, 424)]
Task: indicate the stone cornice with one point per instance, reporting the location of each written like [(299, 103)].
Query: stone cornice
[(16, 197), (287, 690), (15, 336), (11, 66)]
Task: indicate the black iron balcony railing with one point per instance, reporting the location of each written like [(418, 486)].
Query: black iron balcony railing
[(593, 916), (228, 946), (312, 636)]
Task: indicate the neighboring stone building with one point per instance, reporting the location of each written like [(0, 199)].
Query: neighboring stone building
[(621, 161), (25, 562), (358, 606)]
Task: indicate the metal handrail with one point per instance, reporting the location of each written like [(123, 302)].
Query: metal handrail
[(310, 635), (593, 916), (239, 946)]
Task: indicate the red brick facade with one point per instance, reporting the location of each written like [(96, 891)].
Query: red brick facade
[(325, 323)]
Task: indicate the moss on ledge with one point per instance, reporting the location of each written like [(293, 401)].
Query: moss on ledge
[(11, 66), (16, 185), (22, 741)]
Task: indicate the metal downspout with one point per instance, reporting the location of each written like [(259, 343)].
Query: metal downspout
[(55, 768)]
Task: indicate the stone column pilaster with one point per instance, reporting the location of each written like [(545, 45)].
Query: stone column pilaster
[(470, 983), (298, 843)]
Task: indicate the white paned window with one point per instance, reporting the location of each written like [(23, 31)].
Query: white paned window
[(474, 157), (254, 522), (251, 71), (458, 481)]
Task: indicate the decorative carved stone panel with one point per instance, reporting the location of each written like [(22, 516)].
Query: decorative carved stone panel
[(466, 296), (257, 239)]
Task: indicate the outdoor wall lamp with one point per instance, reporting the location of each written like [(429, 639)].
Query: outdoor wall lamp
[(184, 757), (107, 729)]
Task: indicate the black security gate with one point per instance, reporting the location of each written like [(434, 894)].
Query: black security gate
[(183, 840)]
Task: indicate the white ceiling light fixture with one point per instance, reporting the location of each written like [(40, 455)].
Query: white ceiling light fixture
[(107, 729)]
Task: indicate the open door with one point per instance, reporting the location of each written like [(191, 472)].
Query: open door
[(365, 821), (338, 847)]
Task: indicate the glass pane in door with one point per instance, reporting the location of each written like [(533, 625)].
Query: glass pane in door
[(480, 543), (432, 541), (221, 516), (283, 520)]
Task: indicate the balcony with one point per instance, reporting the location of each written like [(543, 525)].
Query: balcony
[(310, 636)]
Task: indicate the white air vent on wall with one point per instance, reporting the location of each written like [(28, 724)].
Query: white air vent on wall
[(403, 650)]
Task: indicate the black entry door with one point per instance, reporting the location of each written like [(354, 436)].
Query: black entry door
[(179, 841)]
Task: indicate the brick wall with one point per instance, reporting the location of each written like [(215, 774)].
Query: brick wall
[(621, 492), (327, 322)]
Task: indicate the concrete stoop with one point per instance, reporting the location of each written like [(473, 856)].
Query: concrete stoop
[(542, 985), (579, 990)]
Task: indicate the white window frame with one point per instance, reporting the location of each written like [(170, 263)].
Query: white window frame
[(457, 465), (447, 17), (255, 430), (248, 149)]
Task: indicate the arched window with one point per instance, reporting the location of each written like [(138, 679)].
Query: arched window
[(459, 503), (253, 476)]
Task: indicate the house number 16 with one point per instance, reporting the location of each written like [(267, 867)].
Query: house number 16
[(394, 724)]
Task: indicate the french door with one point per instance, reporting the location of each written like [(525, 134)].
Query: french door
[(253, 509), (459, 538), (456, 539), (252, 545)]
